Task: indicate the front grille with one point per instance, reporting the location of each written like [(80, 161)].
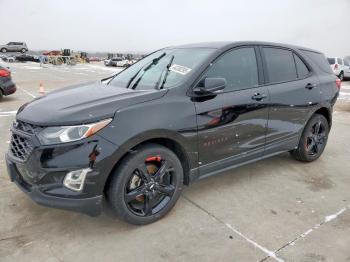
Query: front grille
[(26, 128), (20, 147)]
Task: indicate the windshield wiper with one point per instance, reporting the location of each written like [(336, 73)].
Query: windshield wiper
[(146, 67), (166, 72)]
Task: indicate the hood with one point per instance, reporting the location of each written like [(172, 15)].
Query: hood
[(84, 103)]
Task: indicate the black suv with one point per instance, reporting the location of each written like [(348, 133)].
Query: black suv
[(178, 115)]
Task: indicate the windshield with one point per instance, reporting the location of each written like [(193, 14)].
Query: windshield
[(162, 69)]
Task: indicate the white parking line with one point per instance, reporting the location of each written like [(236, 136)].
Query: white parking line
[(25, 91), (307, 232), (263, 249)]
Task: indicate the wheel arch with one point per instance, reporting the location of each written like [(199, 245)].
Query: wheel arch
[(326, 113)]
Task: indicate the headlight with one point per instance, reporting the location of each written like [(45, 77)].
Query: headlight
[(64, 134)]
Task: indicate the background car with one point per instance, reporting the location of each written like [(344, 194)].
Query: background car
[(117, 61), (27, 58), (7, 87), (9, 59), (14, 47), (340, 67)]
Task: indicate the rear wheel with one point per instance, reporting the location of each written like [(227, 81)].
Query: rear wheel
[(1, 94), (313, 140), (23, 50), (146, 185), (341, 76)]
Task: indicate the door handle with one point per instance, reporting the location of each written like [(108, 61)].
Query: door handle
[(258, 96), (310, 86)]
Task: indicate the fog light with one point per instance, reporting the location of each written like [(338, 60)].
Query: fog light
[(74, 180)]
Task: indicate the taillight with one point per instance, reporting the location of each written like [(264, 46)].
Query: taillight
[(336, 66), (338, 83), (4, 73)]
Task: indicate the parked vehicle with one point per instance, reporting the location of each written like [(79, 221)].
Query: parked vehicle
[(340, 67), (14, 47), (27, 58), (9, 59), (7, 87), (117, 61), (178, 115)]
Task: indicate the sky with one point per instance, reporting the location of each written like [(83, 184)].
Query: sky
[(146, 25)]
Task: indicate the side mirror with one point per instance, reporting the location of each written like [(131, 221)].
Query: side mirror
[(211, 85)]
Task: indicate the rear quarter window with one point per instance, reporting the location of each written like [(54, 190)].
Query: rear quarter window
[(319, 59), (331, 61), (302, 70)]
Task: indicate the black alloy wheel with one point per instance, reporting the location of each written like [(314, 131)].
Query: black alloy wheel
[(313, 140), (316, 139), (146, 185)]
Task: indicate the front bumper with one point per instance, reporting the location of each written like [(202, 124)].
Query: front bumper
[(41, 174), (91, 206)]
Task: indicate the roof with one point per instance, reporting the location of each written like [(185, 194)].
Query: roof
[(228, 44)]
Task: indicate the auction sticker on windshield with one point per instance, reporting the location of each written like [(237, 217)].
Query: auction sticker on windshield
[(183, 70)]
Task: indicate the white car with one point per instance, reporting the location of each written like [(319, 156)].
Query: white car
[(340, 67)]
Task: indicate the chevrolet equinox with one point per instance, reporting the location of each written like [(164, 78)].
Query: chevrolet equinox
[(180, 114)]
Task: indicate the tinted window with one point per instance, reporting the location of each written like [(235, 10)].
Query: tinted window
[(238, 67), (302, 69), (331, 61), (319, 59), (339, 61), (346, 62), (280, 65)]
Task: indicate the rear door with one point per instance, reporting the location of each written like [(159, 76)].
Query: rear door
[(232, 125), (294, 92)]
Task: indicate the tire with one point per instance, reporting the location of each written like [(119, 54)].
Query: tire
[(23, 50), (313, 140), (1, 95), (3, 50), (146, 185), (341, 76)]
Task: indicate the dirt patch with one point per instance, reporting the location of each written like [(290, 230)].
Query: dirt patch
[(317, 183)]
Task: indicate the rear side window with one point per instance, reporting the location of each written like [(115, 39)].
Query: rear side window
[(319, 59), (331, 61), (238, 67), (280, 65), (346, 62), (302, 69), (339, 61)]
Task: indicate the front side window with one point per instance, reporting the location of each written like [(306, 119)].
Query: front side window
[(152, 71), (339, 61), (346, 62), (280, 65), (302, 69), (238, 67)]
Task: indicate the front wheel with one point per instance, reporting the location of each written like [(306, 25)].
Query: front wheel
[(3, 50), (23, 50), (146, 185), (313, 140), (341, 76)]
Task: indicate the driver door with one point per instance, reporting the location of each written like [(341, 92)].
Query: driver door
[(232, 124)]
